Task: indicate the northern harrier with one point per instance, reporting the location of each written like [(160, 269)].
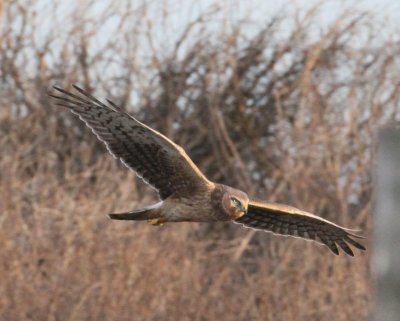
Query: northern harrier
[(186, 194)]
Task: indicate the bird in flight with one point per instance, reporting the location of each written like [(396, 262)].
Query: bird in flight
[(186, 195)]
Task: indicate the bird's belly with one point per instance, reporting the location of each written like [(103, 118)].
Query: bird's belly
[(188, 213)]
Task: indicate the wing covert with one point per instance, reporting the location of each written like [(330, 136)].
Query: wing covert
[(290, 221)]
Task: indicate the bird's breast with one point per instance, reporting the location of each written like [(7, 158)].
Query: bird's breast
[(194, 209)]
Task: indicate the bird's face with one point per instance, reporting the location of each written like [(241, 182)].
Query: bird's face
[(235, 203)]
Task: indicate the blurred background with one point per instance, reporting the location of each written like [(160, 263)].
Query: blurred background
[(281, 99)]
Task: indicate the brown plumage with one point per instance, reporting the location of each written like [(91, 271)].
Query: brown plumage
[(186, 194)]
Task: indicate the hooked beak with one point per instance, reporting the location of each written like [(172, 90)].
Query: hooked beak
[(245, 207), (243, 210)]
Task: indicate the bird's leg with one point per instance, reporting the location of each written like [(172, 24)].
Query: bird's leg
[(155, 221)]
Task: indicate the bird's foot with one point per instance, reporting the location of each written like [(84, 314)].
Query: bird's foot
[(155, 222)]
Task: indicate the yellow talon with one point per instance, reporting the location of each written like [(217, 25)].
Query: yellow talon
[(154, 222)]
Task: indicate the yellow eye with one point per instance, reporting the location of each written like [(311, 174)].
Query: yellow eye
[(235, 202)]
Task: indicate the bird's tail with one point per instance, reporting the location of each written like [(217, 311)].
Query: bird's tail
[(144, 214)]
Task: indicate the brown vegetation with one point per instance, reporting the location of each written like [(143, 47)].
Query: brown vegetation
[(288, 114)]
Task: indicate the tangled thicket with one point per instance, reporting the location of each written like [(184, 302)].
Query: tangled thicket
[(289, 116)]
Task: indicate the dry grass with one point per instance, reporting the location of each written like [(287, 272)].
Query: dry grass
[(289, 117)]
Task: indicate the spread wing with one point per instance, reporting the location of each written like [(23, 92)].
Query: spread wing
[(287, 220), (156, 159)]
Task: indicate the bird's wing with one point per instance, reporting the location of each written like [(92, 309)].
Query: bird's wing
[(287, 220), (156, 159)]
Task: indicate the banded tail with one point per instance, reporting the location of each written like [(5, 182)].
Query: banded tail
[(144, 214)]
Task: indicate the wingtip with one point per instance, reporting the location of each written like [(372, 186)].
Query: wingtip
[(60, 90), (348, 251), (82, 91), (334, 249), (52, 95), (357, 236), (57, 88), (64, 91), (361, 247), (335, 253)]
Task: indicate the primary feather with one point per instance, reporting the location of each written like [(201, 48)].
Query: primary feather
[(290, 221), (155, 158)]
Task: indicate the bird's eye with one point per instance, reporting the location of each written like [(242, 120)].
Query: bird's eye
[(235, 202)]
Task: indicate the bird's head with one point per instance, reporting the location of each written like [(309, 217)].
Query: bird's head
[(235, 203)]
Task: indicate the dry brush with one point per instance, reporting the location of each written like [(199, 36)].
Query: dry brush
[(291, 116)]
